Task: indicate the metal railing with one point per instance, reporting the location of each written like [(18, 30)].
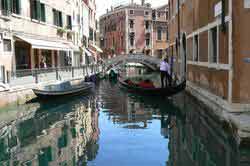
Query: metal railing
[(34, 76)]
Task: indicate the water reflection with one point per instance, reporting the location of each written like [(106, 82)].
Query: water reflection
[(202, 139), (57, 134), (113, 127)]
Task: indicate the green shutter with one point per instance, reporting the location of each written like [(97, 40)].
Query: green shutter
[(33, 9), (38, 10), (54, 16), (43, 15), (9, 6), (18, 6), (60, 19)]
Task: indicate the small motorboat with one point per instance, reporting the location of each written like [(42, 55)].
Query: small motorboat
[(169, 91), (65, 88)]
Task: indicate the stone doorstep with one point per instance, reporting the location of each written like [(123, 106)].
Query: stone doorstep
[(239, 118)]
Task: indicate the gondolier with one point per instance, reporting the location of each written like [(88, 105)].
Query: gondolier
[(165, 73)]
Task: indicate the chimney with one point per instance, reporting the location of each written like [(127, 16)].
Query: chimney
[(132, 1), (142, 2), (112, 8), (107, 10)]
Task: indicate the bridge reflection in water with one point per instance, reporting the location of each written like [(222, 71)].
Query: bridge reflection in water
[(112, 127)]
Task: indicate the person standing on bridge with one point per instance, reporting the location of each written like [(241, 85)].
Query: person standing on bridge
[(165, 73)]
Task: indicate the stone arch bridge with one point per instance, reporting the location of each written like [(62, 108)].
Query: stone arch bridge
[(149, 61)]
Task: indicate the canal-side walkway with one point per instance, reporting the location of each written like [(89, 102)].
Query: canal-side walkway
[(19, 88)]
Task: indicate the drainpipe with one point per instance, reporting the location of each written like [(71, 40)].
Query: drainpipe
[(178, 15), (179, 33)]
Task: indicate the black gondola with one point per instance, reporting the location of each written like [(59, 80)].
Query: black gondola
[(169, 91)]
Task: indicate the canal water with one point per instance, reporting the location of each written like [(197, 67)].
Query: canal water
[(111, 127)]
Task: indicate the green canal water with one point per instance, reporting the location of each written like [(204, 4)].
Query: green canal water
[(111, 127)]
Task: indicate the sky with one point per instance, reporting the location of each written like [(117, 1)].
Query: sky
[(102, 5)]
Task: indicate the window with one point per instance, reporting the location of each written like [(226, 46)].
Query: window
[(196, 48), (43, 15), (57, 17), (132, 37), (159, 33), (160, 53), (147, 24), (147, 39), (35, 9), (153, 15), (10, 6), (213, 45), (131, 12), (158, 14), (146, 13), (7, 45), (69, 22), (131, 24), (148, 52), (91, 34), (15, 6)]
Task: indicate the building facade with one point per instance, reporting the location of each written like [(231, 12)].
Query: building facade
[(212, 37), (44, 34), (132, 28), (160, 31)]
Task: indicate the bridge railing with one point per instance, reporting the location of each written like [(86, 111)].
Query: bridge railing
[(149, 61)]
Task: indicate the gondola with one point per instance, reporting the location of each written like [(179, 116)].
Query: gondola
[(170, 91), (65, 88)]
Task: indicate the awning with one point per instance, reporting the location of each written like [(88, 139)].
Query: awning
[(97, 48), (45, 44)]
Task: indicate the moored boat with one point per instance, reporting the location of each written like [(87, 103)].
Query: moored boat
[(64, 88), (169, 91)]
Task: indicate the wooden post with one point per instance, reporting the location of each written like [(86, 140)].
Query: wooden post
[(36, 76), (73, 75), (57, 74)]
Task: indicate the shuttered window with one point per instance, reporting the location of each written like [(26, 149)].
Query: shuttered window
[(43, 15), (6, 7), (35, 9), (10, 6), (57, 18), (69, 22), (16, 6)]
